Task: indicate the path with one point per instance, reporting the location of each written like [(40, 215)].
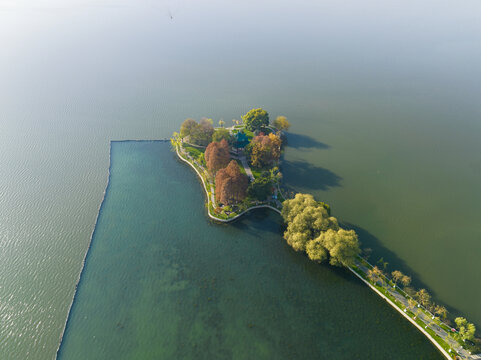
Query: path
[(420, 313), (211, 200), (245, 164)]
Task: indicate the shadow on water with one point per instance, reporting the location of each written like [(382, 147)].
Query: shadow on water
[(298, 141), (259, 221), (308, 176), (378, 251)]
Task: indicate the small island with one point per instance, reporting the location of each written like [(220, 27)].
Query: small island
[(239, 167)]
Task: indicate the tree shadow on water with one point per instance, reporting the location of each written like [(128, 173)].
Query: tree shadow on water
[(298, 141), (302, 174), (369, 241)]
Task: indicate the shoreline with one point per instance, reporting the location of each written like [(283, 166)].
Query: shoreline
[(62, 334), (209, 201), (423, 331)]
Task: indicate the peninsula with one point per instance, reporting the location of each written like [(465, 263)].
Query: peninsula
[(239, 167)]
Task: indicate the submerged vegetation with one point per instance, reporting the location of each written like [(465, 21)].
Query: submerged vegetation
[(239, 167)]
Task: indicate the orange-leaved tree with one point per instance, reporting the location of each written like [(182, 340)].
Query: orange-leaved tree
[(230, 184), (265, 149), (217, 156)]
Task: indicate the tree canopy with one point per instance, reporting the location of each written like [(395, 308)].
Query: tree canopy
[(222, 133), (264, 150), (466, 330), (256, 119), (261, 187), (187, 126), (199, 133), (310, 228), (281, 123), (217, 156), (230, 184)]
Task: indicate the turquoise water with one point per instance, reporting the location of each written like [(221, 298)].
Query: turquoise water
[(383, 97), (163, 282)]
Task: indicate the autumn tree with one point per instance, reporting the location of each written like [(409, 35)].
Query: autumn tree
[(264, 150), (256, 119), (405, 280), (230, 184), (281, 123), (441, 311), (217, 156)]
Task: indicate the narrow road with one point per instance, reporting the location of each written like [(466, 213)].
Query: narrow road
[(245, 165), (424, 316)]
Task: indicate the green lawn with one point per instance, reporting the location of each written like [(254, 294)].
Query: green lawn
[(195, 152), (256, 172), (249, 134), (241, 168)]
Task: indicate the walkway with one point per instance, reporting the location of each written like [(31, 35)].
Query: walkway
[(421, 314), (245, 164)]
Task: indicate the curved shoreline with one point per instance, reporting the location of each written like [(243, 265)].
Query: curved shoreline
[(423, 331), (439, 347), (209, 201)]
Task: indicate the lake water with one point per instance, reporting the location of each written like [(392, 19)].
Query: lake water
[(163, 282), (383, 97)]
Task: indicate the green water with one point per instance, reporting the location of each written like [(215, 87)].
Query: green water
[(383, 97), (163, 282)]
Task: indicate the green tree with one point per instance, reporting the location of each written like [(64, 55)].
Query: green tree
[(281, 123), (423, 297), (405, 280), (187, 126), (412, 304), (466, 330), (260, 188), (220, 134), (316, 251), (305, 219), (202, 133), (256, 119), (397, 276), (343, 246)]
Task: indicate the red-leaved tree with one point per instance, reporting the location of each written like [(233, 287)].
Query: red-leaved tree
[(217, 156), (230, 184)]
